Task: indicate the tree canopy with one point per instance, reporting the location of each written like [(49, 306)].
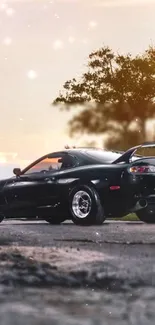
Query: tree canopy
[(117, 94)]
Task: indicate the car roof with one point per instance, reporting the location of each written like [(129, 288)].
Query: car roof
[(84, 149), (85, 154), (96, 154), (92, 154)]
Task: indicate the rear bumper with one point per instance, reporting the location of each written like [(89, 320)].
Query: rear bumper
[(143, 202), (150, 199)]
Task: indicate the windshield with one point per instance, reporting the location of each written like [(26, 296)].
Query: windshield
[(45, 165)]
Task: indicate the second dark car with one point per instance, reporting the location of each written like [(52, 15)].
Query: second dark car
[(84, 185)]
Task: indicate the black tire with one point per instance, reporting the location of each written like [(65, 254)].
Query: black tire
[(147, 215), (55, 220), (95, 212)]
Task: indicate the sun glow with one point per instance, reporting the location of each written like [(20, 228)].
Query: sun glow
[(7, 157), (3, 160)]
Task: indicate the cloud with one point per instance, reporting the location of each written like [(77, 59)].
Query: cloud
[(39, 1), (121, 3), (98, 3), (7, 156), (5, 4), (10, 160)]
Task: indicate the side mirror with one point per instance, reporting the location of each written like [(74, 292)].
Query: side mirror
[(17, 171)]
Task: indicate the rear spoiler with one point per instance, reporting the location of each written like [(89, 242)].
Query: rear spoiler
[(130, 152)]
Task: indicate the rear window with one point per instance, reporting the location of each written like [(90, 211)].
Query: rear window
[(103, 156), (143, 152)]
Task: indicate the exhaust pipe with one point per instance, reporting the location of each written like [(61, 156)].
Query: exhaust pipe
[(141, 204)]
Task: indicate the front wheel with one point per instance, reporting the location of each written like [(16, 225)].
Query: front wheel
[(85, 206), (147, 215)]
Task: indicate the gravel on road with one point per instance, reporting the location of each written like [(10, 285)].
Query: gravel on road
[(77, 275)]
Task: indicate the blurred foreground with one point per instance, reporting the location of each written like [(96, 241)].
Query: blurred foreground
[(94, 275)]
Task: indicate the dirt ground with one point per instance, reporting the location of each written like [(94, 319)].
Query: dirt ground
[(78, 282)]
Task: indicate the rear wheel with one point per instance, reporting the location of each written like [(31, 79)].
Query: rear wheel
[(147, 215), (85, 206)]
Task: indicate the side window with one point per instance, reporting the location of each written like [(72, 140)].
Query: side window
[(46, 165), (68, 161)]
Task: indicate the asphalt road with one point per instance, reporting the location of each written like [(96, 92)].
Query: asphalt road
[(77, 275)]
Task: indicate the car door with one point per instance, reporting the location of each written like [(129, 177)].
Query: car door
[(25, 191), (37, 187)]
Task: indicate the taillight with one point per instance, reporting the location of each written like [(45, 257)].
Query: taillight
[(142, 169)]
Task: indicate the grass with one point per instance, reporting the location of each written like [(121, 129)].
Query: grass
[(129, 217)]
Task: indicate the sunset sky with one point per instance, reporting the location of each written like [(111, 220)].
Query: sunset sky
[(45, 43)]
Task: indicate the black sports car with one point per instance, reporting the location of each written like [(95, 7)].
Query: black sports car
[(85, 185)]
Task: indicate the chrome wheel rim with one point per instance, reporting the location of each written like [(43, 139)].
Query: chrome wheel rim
[(81, 204)]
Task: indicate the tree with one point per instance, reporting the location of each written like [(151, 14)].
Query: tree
[(117, 94)]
